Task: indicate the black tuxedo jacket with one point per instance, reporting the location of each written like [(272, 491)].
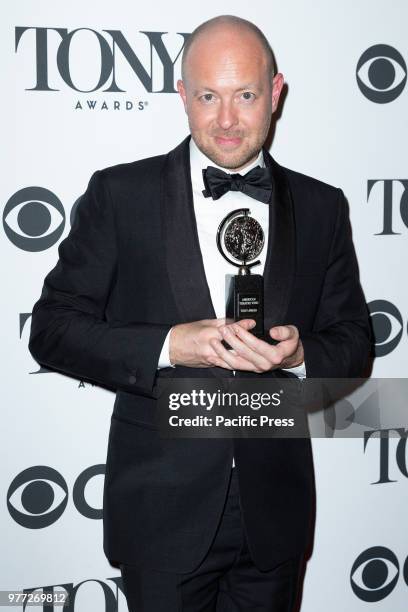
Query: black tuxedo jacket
[(130, 268)]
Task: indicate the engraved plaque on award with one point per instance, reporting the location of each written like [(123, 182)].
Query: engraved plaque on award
[(240, 239)]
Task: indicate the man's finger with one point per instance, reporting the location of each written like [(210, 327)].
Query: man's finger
[(216, 322), (256, 344), (220, 363), (275, 354), (283, 332), (235, 362), (243, 350), (246, 323)]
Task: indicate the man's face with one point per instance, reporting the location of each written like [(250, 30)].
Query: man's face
[(228, 96)]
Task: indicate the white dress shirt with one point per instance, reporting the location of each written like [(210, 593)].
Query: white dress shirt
[(209, 213)]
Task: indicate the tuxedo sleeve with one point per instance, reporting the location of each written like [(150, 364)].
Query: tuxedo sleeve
[(339, 344), (70, 332)]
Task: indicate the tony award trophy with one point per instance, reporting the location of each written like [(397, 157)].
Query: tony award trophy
[(242, 237)]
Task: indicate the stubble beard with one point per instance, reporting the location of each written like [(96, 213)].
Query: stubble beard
[(233, 160)]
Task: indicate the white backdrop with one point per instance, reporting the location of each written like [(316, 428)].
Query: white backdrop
[(330, 128)]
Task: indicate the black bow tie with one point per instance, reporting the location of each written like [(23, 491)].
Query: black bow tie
[(257, 183)]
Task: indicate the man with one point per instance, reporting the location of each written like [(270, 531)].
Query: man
[(137, 295)]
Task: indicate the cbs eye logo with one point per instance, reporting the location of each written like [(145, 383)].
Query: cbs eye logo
[(387, 325), (38, 496), (381, 74), (375, 573), (34, 219)]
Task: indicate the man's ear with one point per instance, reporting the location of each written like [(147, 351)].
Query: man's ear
[(182, 91), (277, 85)]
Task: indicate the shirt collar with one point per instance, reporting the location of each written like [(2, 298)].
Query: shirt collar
[(199, 161)]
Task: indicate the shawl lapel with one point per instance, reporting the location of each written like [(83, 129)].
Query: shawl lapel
[(280, 258), (183, 254)]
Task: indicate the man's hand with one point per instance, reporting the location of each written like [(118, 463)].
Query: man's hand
[(199, 345), (190, 343), (255, 355)]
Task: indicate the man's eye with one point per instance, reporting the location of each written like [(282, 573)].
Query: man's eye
[(207, 97), (248, 95)]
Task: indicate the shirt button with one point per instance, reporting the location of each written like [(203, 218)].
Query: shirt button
[(132, 379)]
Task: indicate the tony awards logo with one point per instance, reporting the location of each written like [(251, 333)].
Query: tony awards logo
[(242, 237)]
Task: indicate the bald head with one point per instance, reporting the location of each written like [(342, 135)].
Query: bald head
[(228, 90), (224, 26)]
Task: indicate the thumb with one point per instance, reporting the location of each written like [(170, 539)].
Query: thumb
[(277, 333)]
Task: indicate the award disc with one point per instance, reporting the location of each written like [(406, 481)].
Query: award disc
[(244, 238)]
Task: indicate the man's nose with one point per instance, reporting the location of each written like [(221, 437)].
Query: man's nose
[(227, 115)]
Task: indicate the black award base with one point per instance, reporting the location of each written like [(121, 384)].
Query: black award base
[(244, 300)]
